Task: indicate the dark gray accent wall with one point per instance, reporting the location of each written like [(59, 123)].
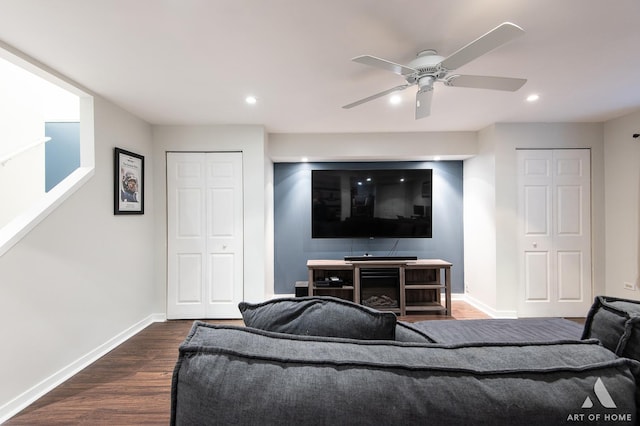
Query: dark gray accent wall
[(293, 244)]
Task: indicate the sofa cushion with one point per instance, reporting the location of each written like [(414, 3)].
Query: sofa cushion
[(406, 332), (320, 316), (235, 375), (616, 323), (500, 330)]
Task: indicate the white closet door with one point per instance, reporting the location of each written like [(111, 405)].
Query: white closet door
[(205, 235), (554, 211)]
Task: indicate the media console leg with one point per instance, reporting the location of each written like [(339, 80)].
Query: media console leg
[(447, 290), (310, 291)]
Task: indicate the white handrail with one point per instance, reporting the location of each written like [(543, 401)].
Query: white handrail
[(6, 158)]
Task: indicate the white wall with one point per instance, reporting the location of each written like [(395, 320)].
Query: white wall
[(508, 138), (81, 278), (268, 224), (252, 142), (622, 201), (371, 146), (479, 190), (23, 175)]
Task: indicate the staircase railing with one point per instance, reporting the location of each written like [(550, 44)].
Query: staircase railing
[(6, 158)]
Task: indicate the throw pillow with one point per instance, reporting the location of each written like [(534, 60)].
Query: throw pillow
[(320, 316), (616, 323)]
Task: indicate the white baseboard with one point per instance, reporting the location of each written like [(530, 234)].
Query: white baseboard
[(458, 296), (493, 313), (162, 317), (278, 296), (23, 400)]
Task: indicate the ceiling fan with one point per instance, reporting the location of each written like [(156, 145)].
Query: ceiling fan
[(428, 67)]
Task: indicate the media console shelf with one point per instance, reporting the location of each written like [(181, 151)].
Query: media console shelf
[(416, 287)]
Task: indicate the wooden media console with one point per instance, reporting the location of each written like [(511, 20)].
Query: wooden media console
[(401, 286)]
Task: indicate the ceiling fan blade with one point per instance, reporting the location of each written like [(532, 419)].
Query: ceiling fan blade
[(496, 37), (423, 103), (486, 82), (376, 96), (384, 64)]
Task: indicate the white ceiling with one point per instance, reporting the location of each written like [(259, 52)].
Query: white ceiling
[(193, 62)]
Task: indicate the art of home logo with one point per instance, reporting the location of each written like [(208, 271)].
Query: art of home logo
[(604, 400)]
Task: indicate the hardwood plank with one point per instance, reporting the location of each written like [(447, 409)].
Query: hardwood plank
[(129, 385), (132, 383), (459, 310)]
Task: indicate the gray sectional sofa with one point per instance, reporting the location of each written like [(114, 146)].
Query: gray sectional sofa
[(324, 361)]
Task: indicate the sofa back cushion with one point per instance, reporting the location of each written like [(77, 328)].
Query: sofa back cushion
[(235, 375), (616, 323), (320, 316)]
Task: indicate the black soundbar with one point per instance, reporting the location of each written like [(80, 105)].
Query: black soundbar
[(377, 258)]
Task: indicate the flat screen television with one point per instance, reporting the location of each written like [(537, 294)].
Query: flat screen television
[(384, 203)]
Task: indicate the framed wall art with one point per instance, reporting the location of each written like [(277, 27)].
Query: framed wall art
[(128, 188)]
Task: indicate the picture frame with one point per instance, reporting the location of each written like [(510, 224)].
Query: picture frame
[(128, 185)]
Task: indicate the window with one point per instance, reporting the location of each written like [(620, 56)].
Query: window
[(46, 144)]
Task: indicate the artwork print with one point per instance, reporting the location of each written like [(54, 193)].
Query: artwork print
[(128, 183)]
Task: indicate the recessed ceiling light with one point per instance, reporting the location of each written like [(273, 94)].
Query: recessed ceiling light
[(533, 98), (436, 158), (305, 159), (395, 99), (251, 100)]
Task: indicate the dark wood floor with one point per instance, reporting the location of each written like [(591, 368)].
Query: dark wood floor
[(131, 385)]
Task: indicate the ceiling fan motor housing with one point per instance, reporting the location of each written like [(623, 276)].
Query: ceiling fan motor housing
[(427, 65), (426, 61)]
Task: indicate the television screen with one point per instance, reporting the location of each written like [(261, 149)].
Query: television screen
[(392, 203)]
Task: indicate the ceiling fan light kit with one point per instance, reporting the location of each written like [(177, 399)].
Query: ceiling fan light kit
[(428, 67)]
